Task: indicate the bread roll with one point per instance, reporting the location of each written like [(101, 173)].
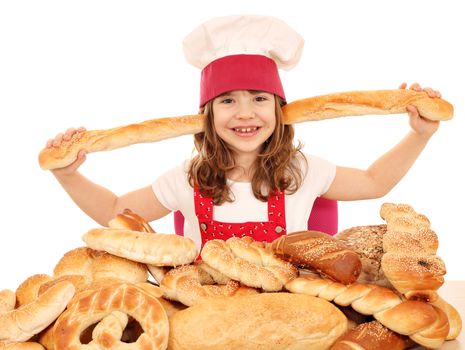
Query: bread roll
[(314, 108), (269, 321)]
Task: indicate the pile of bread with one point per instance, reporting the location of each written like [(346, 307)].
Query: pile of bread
[(370, 287)]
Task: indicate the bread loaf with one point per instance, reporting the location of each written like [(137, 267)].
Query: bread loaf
[(247, 261), (310, 109), (148, 248), (269, 321), (317, 250), (369, 336), (367, 242), (424, 323), (410, 261)]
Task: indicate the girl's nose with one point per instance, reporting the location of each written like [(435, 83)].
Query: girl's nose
[(245, 111)]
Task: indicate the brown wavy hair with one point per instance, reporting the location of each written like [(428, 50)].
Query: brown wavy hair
[(275, 168)]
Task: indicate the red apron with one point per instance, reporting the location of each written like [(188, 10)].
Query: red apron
[(260, 231)]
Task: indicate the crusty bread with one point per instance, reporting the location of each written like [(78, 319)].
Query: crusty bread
[(367, 242), (269, 321), (247, 261), (455, 321), (148, 248), (422, 322), (28, 320), (369, 336), (314, 108), (320, 251)]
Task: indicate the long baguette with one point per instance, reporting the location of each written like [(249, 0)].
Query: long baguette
[(310, 109)]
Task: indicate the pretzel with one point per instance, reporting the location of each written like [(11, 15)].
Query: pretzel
[(410, 262), (191, 284), (148, 248), (18, 325), (247, 261), (113, 305), (422, 322)]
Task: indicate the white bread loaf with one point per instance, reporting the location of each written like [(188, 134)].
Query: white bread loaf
[(310, 109), (148, 248), (269, 321)]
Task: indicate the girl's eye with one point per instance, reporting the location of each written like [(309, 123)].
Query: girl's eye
[(260, 98), (227, 100)]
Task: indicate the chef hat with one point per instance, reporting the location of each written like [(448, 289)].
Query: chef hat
[(242, 53)]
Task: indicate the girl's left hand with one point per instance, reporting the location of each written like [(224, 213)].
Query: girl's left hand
[(420, 125)]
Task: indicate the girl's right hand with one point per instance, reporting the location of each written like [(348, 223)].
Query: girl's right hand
[(81, 157)]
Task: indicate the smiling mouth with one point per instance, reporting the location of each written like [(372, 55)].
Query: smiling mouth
[(246, 130)]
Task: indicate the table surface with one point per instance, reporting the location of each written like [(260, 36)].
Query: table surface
[(454, 293)]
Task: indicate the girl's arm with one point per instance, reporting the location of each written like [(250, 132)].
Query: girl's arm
[(97, 202), (390, 168)]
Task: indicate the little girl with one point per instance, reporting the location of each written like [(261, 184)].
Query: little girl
[(248, 177)]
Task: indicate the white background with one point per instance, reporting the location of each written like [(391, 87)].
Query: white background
[(103, 64)]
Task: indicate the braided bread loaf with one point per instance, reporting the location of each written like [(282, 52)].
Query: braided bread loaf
[(247, 261), (424, 323), (410, 261), (191, 285)]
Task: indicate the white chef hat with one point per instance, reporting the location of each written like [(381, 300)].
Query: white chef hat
[(242, 53)]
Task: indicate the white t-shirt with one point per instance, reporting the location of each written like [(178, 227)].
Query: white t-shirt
[(174, 192)]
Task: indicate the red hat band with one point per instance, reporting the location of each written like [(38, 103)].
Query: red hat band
[(239, 72)]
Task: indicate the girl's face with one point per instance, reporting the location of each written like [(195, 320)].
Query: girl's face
[(244, 119)]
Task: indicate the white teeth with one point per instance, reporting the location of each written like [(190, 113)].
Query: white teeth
[(245, 129)]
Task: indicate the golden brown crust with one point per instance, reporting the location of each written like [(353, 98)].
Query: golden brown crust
[(130, 221), (455, 321), (322, 252), (95, 265), (369, 336), (367, 242), (21, 346), (314, 108), (366, 102), (28, 320), (191, 285), (422, 322), (261, 321), (410, 261), (28, 290), (7, 300), (126, 300), (148, 248), (247, 261)]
